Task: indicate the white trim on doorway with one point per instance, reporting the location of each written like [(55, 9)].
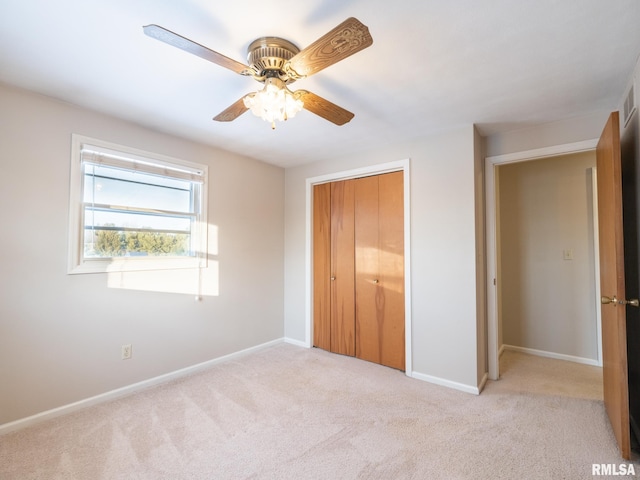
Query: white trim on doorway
[(491, 163), (400, 165)]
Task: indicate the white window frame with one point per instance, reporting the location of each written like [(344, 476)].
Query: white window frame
[(77, 263)]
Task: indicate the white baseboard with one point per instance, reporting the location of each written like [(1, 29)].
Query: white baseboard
[(446, 383), (557, 356), (295, 342), (128, 390), (501, 351)]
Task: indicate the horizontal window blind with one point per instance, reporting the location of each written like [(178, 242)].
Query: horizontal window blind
[(101, 156)]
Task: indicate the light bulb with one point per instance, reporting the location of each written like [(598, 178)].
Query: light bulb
[(274, 102)]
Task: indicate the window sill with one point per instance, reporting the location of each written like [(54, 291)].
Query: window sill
[(135, 264)]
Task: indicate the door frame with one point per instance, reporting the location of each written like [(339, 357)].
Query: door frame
[(493, 283), (400, 165)]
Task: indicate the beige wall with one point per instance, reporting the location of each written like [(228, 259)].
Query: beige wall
[(562, 132), (548, 303), (60, 335)]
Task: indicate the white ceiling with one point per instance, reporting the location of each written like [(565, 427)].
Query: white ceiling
[(433, 65)]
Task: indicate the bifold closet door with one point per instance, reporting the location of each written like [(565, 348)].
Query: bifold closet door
[(322, 266), (343, 327), (379, 269), (358, 268), (333, 267)]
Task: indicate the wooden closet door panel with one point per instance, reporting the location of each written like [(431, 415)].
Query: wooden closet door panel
[(342, 268), (322, 266), (380, 269), (391, 258), (370, 297)]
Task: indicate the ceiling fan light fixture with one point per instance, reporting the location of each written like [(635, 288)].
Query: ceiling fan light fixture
[(274, 102), (277, 62)]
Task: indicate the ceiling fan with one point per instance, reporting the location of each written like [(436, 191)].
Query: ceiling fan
[(277, 63)]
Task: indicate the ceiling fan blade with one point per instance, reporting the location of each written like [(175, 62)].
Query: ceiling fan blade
[(323, 108), (348, 38), (167, 36), (232, 112)]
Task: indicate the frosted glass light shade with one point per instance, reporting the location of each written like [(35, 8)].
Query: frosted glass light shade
[(274, 102)]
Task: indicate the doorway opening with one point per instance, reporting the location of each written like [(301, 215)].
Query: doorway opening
[(528, 334)]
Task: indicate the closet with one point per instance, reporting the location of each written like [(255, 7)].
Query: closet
[(358, 268)]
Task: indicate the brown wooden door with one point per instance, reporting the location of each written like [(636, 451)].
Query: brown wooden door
[(379, 246), (343, 330), (614, 331), (333, 267), (322, 266), (358, 257)]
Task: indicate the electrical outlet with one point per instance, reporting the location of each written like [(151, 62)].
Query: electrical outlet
[(126, 352)]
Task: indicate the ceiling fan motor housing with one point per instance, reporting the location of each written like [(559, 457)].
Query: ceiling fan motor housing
[(268, 55)]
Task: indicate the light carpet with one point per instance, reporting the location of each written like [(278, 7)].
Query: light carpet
[(293, 413)]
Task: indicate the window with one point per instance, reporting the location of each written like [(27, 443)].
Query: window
[(133, 210)]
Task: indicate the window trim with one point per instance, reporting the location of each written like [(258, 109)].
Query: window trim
[(77, 264)]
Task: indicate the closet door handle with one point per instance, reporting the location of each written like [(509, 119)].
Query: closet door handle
[(376, 281), (333, 278)]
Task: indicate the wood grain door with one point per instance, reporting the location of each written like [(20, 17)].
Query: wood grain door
[(379, 266), (342, 268), (322, 266), (358, 268), (612, 287)]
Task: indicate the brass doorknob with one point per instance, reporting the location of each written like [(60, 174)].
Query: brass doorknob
[(606, 300), (333, 277), (376, 281)]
